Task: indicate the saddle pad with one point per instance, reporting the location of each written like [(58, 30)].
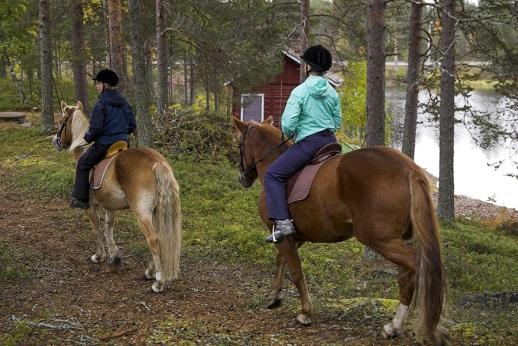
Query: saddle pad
[(97, 173), (299, 185)]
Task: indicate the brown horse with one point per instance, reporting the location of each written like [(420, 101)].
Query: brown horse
[(139, 179), (377, 195)]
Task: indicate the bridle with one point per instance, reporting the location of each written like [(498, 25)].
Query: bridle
[(244, 172), (58, 143)]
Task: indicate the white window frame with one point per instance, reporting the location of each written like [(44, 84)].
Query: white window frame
[(262, 105)]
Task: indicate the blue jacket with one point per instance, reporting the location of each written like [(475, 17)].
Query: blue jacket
[(312, 107), (111, 120)]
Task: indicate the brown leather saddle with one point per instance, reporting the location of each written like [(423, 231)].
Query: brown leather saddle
[(97, 173), (299, 185)]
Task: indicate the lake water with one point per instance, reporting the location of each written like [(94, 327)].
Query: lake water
[(473, 176)]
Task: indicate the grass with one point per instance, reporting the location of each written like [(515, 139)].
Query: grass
[(221, 224)]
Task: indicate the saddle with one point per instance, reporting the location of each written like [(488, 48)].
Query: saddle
[(299, 184), (97, 173)]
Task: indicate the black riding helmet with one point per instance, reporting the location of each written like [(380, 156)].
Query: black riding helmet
[(107, 76), (318, 57)]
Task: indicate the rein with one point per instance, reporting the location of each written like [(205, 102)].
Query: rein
[(245, 172), (63, 126)]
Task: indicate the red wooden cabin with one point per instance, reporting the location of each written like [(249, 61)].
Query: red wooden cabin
[(270, 99)]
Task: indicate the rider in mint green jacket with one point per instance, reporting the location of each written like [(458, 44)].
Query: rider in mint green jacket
[(313, 106), (311, 117)]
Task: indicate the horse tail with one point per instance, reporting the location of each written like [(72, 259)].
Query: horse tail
[(429, 292), (167, 220)]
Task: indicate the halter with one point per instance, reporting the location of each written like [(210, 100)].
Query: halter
[(244, 173), (59, 145)]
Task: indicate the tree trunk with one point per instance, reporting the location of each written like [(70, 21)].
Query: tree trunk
[(47, 117), (185, 80), (446, 207), (78, 54), (17, 83), (162, 52), (375, 126), (144, 126), (376, 74), (191, 84), (3, 67), (116, 44), (412, 80), (304, 34), (216, 103), (108, 60)]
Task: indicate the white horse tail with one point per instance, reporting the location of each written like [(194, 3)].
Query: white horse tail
[(167, 220)]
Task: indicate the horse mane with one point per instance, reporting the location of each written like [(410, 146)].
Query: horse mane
[(78, 128)]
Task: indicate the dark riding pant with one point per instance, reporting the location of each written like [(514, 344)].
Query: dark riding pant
[(286, 165), (85, 163)]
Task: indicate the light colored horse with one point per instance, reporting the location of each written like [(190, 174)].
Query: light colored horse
[(139, 179)]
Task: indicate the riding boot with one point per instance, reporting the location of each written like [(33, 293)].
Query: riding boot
[(281, 229), (77, 203)]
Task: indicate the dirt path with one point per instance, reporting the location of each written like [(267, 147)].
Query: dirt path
[(66, 301)]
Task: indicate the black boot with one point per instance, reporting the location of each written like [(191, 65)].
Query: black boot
[(281, 229), (76, 203)]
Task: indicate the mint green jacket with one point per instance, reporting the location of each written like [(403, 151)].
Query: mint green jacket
[(313, 106)]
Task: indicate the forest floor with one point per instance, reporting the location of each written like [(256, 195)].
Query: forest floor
[(50, 294), (58, 297)]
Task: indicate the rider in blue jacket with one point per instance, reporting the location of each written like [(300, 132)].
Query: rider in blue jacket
[(112, 120), (311, 117)]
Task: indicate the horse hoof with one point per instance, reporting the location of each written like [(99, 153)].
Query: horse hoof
[(441, 336), (389, 332), (96, 259), (115, 261), (157, 287), (274, 303), (149, 274), (303, 319)]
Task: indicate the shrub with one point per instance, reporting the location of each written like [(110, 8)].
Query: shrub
[(204, 136)]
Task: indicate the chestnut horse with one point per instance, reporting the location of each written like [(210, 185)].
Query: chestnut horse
[(377, 195), (139, 179)]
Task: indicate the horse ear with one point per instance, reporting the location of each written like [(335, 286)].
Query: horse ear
[(241, 126), (268, 120), (62, 105), (79, 106)]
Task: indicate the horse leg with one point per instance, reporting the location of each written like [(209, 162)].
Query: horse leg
[(398, 252), (113, 250), (149, 274), (97, 227), (274, 298), (288, 249), (145, 222)]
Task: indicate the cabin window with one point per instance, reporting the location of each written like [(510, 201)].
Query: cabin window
[(252, 107)]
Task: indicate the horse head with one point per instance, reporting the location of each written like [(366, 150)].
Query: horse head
[(72, 123), (259, 145)]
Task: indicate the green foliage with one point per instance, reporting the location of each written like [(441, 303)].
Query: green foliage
[(10, 100), (353, 96), (17, 335), (11, 267)]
